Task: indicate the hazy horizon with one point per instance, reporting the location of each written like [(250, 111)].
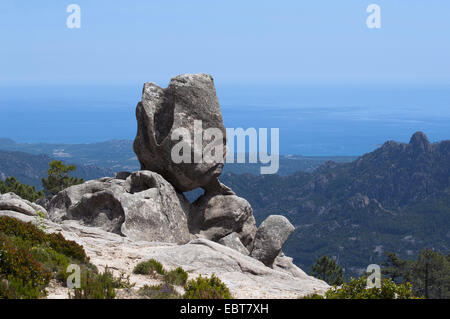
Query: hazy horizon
[(313, 69)]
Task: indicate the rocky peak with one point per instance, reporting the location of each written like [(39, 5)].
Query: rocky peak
[(419, 142)]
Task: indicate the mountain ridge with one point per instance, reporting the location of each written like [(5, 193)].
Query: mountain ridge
[(30, 168), (396, 198)]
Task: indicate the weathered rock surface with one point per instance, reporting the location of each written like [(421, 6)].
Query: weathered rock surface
[(216, 216), (188, 98), (232, 241), (142, 207), (246, 277), (12, 202), (270, 238)]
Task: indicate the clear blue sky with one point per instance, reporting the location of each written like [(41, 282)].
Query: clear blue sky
[(239, 42)]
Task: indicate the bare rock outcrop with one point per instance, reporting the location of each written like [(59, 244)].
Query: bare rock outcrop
[(142, 207), (13, 202)]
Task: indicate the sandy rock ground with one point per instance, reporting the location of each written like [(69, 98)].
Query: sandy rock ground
[(245, 276)]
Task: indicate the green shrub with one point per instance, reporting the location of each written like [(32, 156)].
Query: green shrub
[(99, 285), (29, 258), (23, 275), (177, 277), (16, 288), (150, 267), (357, 289), (50, 260), (206, 288), (67, 247), (26, 231), (31, 234), (163, 291)]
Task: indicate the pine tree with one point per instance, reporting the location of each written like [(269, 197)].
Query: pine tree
[(58, 178), (25, 191), (328, 270), (429, 274)]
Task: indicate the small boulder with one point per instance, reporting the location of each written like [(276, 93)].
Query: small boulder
[(270, 238), (215, 216), (232, 241)]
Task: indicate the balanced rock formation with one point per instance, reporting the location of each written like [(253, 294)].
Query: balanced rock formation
[(188, 99), (144, 206), (270, 238), (149, 205)]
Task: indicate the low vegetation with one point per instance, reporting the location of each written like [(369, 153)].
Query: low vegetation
[(206, 288), (162, 291), (150, 267), (199, 288), (357, 289), (30, 258), (99, 285)]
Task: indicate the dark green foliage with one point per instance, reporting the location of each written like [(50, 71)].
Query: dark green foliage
[(99, 285), (328, 270), (149, 267), (58, 178), (67, 247), (429, 274), (26, 231), (25, 191), (163, 291), (177, 277), (154, 268), (29, 258), (30, 233), (393, 199), (25, 277), (206, 288), (357, 289)]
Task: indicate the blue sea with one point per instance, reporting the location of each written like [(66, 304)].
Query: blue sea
[(313, 120)]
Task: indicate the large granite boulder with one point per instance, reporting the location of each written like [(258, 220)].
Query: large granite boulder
[(188, 98), (13, 202), (270, 238), (215, 216), (144, 206)]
